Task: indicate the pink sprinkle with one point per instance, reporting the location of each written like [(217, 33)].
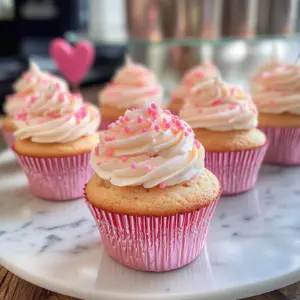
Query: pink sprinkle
[(140, 119), (33, 99), (109, 138), (81, 113), (126, 129), (150, 111), (61, 98), (181, 127), (68, 118), (165, 120), (109, 152), (162, 185), (148, 168), (232, 90), (168, 125), (133, 165), (190, 129), (99, 163), (110, 126), (124, 158), (199, 74), (126, 118), (178, 123), (186, 133), (232, 106), (145, 129), (197, 144), (140, 84), (156, 127), (153, 106), (217, 102), (41, 121), (167, 112), (97, 150), (199, 92), (54, 114), (57, 85)]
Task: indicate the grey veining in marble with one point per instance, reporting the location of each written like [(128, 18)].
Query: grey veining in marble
[(253, 244)]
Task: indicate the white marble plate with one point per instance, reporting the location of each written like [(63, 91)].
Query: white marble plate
[(253, 244)]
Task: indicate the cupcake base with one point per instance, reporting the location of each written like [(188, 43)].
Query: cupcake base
[(237, 171), (284, 145), (56, 178), (154, 244)]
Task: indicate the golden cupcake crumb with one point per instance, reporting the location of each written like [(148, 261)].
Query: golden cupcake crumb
[(137, 200), (235, 140), (79, 146)]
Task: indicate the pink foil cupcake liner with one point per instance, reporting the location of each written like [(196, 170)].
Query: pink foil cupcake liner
[(236, 171), (284, 145), (8, 137), (57, 178), (154, 244)]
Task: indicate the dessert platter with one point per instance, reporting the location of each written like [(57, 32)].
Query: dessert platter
[(253, 244), (199, 205)]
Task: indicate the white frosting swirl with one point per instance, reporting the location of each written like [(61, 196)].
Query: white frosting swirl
[(215, 105), (56, 117), (131, 87), (32, 82), (14, 103), (195, 76), (148, 147), (34, 79), (280, 90)]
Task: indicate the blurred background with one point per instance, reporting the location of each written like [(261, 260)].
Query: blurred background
[(169, 36)]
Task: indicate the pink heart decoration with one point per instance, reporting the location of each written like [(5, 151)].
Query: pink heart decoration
[(73, 62)]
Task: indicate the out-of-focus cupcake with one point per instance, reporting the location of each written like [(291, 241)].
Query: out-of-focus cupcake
[(31, 83), (151, 193), (192, 77), (278, 102), (132, 85), (224, 119), (55, 135)]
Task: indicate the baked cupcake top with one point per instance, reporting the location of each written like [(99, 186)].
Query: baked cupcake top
[(56, 117), (218, 106), (280, 90), (194, 76), (31, 83), (132, 85), (148, 147)]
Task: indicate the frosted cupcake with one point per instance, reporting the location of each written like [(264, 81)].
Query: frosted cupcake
[(278, 102), (151, 193), (132, 85), (194, 76), (55, 135), (224, 119), (31, 83)]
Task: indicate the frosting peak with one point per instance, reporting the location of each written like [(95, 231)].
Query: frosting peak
[(218, 106), (279, 90), (195, 76), (56, 117), (31, 83), (148, 147), (132, 85)]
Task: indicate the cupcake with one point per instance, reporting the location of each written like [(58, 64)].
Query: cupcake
[(224, 119), (193, 76), (54, 137), (132, 85), (276, 96), (31, 83), (151, 197)]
